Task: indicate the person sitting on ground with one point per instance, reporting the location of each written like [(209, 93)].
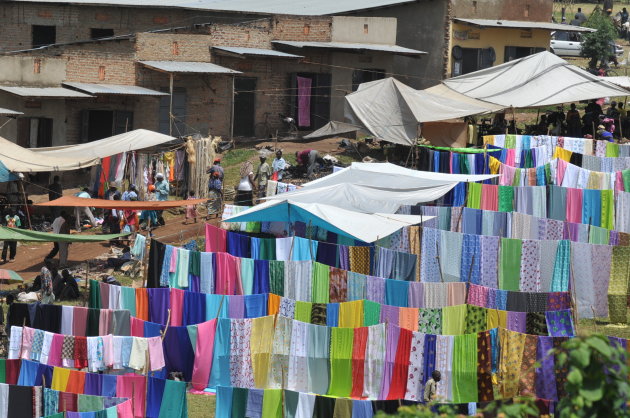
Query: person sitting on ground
[(110, 280), (603, 134), (430, 389), (117, 262), (66, 288)]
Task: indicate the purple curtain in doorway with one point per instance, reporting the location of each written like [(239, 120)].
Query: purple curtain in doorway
[(304, 101)]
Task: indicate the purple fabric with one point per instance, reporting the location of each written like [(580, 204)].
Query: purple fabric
[(393, 333), (159, 304), (344, 258), (108, 387), (516, 321), (492, 299), (416, 295), (93, 384), (236, 307), (390, 314), (489, 260), (304, 101), (376, 289), (179, 164), (178, 351), (545, 375), (194, 283)]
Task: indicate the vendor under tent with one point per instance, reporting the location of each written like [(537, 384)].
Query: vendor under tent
[(78, 202), (128, 141), (365, 199), (392, 177), (16, 234), (332, 128), (366, 227), (542, 79), (392, 111)]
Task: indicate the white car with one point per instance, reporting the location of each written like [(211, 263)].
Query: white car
[(569, 44)]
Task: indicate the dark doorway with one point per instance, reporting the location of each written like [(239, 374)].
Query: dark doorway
[(365, 76), (318, 107), (98, 33), (34, 132), (179, 112), (99, 124), (244, 106), (44, 35)]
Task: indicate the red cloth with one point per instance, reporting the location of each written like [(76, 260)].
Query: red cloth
[(133, 387), (228, 275), (177, 307), (302, 156), (125, 409), (490, 197), (398, 386), (80, 353), (358, 361), (79, 321), (76, 382), (216, 239), (68, 402), (574, 205), (137, 327), (12, 371), (105, 163)]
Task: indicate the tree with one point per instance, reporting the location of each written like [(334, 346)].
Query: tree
[(597, 45)]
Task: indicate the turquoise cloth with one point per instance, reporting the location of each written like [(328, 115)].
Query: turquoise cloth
[(561, 268), (128, 299), (247, 275), (174, 403), (212, 306), (301, 250), (192, 334), (224, 402)]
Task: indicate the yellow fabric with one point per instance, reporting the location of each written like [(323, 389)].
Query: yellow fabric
[(496, 319), (512, 345), (60, 379), (260, 348), (454, 319), (488, 139), (563, 154), (598, 180), (495, 165), (351, 314)]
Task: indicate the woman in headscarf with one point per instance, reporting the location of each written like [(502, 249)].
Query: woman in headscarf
[(47, 286), (245, 188)]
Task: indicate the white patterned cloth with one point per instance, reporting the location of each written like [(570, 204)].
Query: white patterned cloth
[(415, 374), (374, 361), (241, 372)]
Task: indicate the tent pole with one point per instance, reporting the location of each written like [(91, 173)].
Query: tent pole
[(170, 106), (28, 212)]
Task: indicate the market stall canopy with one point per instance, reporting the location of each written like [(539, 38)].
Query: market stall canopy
[(9, 276), (389, 176), (15, 234), (366, 199), (79, 202), (23, 160), (128, 141), (366, 227), (391, 110), (541, 79), (332, 128), (621, 81)]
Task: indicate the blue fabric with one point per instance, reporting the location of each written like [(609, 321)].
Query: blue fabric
[(494, 344), (154, 397), (6, 175), (220, 373), (151, 329), (255, 248), (561, 268), (429, 357), (592, 207), (256, 305), (238, 245), (332, 314), (301, 250), (224, 401), (479, 163), (194, 308), (93, 384), (127, 343), (471, 221), (28, 373), (459, 194), (436, 161), (254, 403), (471, 256), (541, 177), (159, 303), (362, 409), (501, 300), (384, 263), (212, 306), (46, 372), (396, 293), (405, 265), (207, 273), (178, 351), (108, 387), (261, 276), (166, 265)]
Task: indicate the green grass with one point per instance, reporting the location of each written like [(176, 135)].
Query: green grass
[(201, 406), (232, 161)]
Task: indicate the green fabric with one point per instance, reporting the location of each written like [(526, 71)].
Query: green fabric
[(303, 311), (462, 150), (321, 279), (252, 227), (517, 177), (625, 174), (599, 236), (89, 403), (548, 173), (510, 141), (174, 403), (465, 165), (454, 320), (194, 263), (476, 319), (14, 234), (192, 335), (444, 218), (510, 264), (3, 371), (343, 408), (276, 277), (506, 199), (529, 161), (128, 299), (239, 402), (267, 249), (112, 412), (464, 376), (618, 286), (344, 240), (272, 403), (612, 149), (474, 196), (61, 415), (341, 340), (608, 209), (371, 313), (93, 322), (95, 295)]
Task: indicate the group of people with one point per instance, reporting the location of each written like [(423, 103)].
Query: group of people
[(593, 123)]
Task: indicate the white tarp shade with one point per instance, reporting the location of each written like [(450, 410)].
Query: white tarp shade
[(541, 79), (129, 141), (362, 226), (364, 198), (391, 110), (392, 177), (332, 128), (621, 81), (24, 160)]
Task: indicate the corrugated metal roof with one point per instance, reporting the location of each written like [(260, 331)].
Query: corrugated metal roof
[(9, 112), (50, 92), (255, 52), (521, 24), (291, 7), (114, 89), (188, 67), (394, 49)]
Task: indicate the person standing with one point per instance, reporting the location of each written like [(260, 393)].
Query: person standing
[(278, 165), (215, 187), (430, 388), (161, 191), (55, 191), (12, 221), (574, 124), (262, 174), (130, 193), (83, 211), (191, 210), (580, 17), (61, 225)]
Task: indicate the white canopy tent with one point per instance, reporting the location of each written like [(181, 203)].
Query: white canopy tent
[(392, 177), (128, 141), (23, 160), (391, 110), (365, 199), (621, 81), (366, 227), (541, 79)]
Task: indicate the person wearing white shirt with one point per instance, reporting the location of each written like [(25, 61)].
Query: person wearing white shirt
[(83, 211)]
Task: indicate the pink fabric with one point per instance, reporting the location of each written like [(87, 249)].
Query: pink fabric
[(619, 182), (54, 357), (574, 205), (104, 287), (27, 342), (104, 321), (177, 307), (124, 410), (137, 327), (530, 266), (79, 321), (510, 157), (450, 162), (478, 295), (560, 169), (507, 175), (228, 275), (156, 354), (203, 354), (173, 266), (133, 387), (490, 197), (304, 101), (215, 239), (108, 350)]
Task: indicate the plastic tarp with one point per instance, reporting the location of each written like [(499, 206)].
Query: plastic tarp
[(364, 198), (621, 81), (541, 79), (5, 174), (362, 226), (78, 202), (128, 141), (332, 128), (392, 177), (391, 110), (15, 234), (9, 276)]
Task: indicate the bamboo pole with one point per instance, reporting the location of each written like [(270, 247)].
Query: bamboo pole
[(28, 212)]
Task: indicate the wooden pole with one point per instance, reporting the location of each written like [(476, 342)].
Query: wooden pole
[(170, 105), (437, 249), (28, 212)]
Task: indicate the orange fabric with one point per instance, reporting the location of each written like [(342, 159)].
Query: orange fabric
[(142, 304), (76, 382), (74, 201), (408, 318), (273, 304)]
